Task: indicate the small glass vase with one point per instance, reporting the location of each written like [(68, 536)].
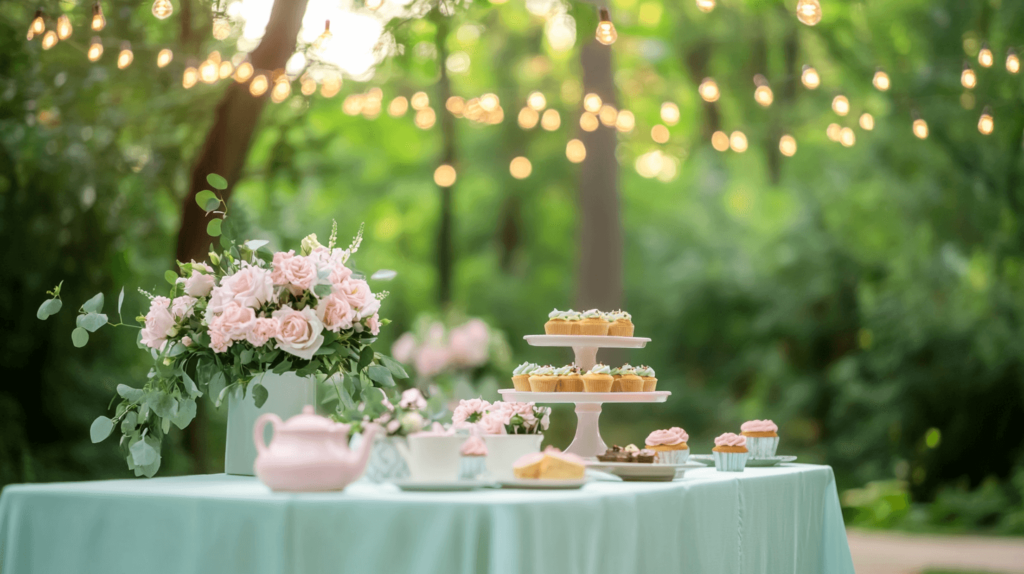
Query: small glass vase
[(386, 462)]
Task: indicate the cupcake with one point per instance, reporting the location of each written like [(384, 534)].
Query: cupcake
[(521, 376), (647, 375), (616, 375), (543, 380), (670, 445), (762, 438), (570, 380), (574, 319), (598, 379), (730, 452), (593, 323), (629, 381), (474, 452), (620, 324), (558, 323)]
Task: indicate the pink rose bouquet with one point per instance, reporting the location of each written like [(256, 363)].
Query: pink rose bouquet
[(246, 312)]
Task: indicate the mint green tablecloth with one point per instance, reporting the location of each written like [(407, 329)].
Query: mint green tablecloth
[(772, 521)]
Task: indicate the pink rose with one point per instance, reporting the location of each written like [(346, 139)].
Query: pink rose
[(412, 399), (335, 312), (491, 424), (469, 344), (431, 360), (160, 323), (373, 324), (333, 259), (251, 286), (265, 330), (300, 332), (201, 281), (296, 272), (219, 342), (358, 293), (525, 411), (182, 307), (470, 410), (404, 347), (236, 322)]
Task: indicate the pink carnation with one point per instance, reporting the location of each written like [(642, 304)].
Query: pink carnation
[(470, 409), (219, 342), (491, 424), (412, 399), (183, 307), (160, 323), (265, 330), (296, 272), (335, 312)]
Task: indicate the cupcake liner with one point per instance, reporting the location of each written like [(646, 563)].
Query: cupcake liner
[(557, 328), (762, 446), (471, 467), (593, 327), (521, 382), (620, 329), (650, 383), (730, 461), (543, 384), (631, 384), (571, 384), (673, 456)]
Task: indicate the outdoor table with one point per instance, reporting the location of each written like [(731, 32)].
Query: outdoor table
[(769, 520)]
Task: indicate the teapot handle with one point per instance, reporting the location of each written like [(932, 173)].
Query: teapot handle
[(257, 430)]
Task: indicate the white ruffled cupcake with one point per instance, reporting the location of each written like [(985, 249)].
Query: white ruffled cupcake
[(474, 453), (730, 453), (762, 438)]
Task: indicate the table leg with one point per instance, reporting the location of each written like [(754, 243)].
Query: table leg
[(587, 441)]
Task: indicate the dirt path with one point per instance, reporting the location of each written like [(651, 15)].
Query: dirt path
[(899, 553)]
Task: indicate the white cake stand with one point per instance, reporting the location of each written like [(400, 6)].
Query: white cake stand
[(587, 442)]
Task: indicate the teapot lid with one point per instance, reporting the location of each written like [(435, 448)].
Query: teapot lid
[(307, 421)]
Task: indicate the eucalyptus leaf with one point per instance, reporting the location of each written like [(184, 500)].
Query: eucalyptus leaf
[(322, 290), (380, 375), (176, 350), (129, 422), (100, 429), (205, 198), (190, 386), (79, 337), (259, 394), (94, 305), (309, 369), (213, 228), (255, 244), (216, 385), (283, 367), (130, 394), (217, 181), (120, 300), (396, 368), (143, 453), (245, 357), (171, 277), (162, 404), (186, 412), (365, 358), (91, 321), (49, 307)]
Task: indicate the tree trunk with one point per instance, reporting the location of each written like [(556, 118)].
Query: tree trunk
[(600, 231), (445, 250)]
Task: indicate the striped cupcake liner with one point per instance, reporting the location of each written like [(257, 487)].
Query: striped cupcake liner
[(762, 447), (730, 461), (673, 456)]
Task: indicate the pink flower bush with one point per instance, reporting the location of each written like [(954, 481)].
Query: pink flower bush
[(300, 333), (404, 348), (433, 350), (468, 343), (412, 399)]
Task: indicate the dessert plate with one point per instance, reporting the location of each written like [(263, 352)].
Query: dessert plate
[(543, 484), (431, 486), (642, 471), (601, 341), (751, 462)]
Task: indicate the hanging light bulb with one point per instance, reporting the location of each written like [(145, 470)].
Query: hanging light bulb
[(520, 167), (589, 122), (670, 113), (920, 128), (162, 9), (832, 131), (720, 141), (624, 123), (867, 121), (1012, 61), (709, 90), (243, 72), (808, 12), (606, 33), (762, 94), (282, 89), (575, 151), (551, 120), (374, 4), (810, 78), (64, 27), (225, 69), (190, 77), (537, 101), (847, 137), (592, 103), (98, 21), (738, 141), (841, 105), (208, 71), (787, 145), (164, 57), (307, 85), (705, 5), (986, 124), (95, 49), (660, 134), (399, 106), (38, 24), (259, 85), (968, 77), (49, 39), (221, 28), (125, 57), (444, 175), (985, 57), (321, 42), (881, 80)]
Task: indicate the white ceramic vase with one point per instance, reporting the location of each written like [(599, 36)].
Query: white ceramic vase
[(503, 450), (288, 393)]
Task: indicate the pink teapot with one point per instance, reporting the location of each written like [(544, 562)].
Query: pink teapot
[(308, 453)]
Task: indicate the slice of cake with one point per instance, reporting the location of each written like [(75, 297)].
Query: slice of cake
[(552, 464)]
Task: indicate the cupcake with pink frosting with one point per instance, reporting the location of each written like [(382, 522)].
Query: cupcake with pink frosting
[(670, 445), (730, 452), (762, 438), (474, 452)]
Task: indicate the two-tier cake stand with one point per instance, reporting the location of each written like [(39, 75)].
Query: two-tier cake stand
[(587, 442)]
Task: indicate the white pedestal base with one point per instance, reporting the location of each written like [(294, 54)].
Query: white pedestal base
[(587, 442)]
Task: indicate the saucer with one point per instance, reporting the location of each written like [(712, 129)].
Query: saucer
[(542, 484), (642, 471), (409, 485), (709, 459)]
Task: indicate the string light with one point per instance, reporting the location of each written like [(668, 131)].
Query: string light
[(670, 113), (282, 89), (456, 105), (420, 100), (551, 120), (307, 85), (606, 33), (575, 151), (1012, 61), (867, 121), (164, 57), (374, 4), (330, 86), (985, 57), (787, 145), (986, 124), (520, 167), (720, 141), (321, 42), (95, 49), (528, 118), (98, 21), (162, 9), (125, 57), (847, 137), (398, 107), (659, 134), (221, 28), (738, 142), (425, 118), (808, 12), (968, 77), (832, 131), (190, 77), (64, 27), (208, 72), (705, 5), (625, 122), (920, 128), (763, 94), (227, 68), (489, 102), (49, 39), (841, 105), (243, 72), (259, 84), (592, 103), (608, 115), (708, 90), (537, 101), (810, 78), (38, 24), (444, 175), (589, 122), (881, 80)]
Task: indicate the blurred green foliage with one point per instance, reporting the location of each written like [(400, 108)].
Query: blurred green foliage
[(868, 299)]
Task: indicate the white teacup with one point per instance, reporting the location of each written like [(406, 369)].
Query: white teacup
[(433, 458)]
